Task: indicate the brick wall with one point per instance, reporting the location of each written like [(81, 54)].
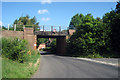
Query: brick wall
[(30, 37), (27, 34), (6, 33)]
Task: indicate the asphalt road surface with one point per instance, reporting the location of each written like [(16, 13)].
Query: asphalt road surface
[(52, 66)]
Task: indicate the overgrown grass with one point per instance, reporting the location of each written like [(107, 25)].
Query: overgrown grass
[(18, 61), (14, 69), (0, 67)]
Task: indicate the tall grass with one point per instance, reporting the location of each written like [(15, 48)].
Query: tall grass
[(18, 61), (14, 69)]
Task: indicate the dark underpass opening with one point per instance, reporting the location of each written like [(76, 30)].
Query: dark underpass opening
[(52, 44), (46, 45)]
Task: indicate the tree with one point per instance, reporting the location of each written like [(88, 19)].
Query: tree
[(99, 19), (118, 7), (33, 20), (15, 22), (112, 20), (115, 36), (26, 21), (89, 38), (4, 28), (76, 21)]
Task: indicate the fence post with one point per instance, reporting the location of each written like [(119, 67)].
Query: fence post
[(39, 27), (67, 30), (8, 26), (43, 30), (51, 30), (14, 27), (59, 29)]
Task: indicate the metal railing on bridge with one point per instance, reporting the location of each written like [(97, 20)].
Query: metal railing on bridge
[(50, 30)]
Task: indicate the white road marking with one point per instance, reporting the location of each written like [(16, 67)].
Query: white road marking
[(103, 62)]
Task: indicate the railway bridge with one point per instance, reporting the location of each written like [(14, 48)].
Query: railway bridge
[(31, 34), (49, 32)]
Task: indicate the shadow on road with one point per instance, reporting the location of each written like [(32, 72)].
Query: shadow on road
[(52, 53), (46, 53)]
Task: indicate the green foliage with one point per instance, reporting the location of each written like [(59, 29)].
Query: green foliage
[(76, 20), (4, 28), (89, 38), (25, 21), (118, 7), (112, 20), (17, 60), (13, 69), (95, 55), (41, 40), (15, 49), (115, 37)]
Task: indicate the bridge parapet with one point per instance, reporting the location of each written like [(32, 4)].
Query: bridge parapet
[(49, 33), (50, 30)]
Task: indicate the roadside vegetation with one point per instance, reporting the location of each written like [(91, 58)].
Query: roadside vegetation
[(51, 47), (41, 40), (95, 37), (18, 61)]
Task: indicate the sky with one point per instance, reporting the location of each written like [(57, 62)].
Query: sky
[(53, 13)]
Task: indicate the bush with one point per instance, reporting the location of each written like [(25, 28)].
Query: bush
[(15, 49), (41, 40), (91, 37), (94, 55)]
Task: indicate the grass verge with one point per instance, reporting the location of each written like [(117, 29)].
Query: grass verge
[(0, 67), (14, 69)]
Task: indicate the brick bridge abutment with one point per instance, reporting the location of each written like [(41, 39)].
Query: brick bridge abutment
[(61, 45)]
